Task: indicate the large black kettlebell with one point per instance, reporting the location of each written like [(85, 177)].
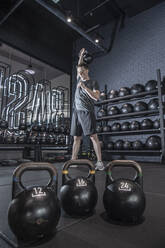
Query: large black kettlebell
[(35, 210), (87, 58), (78, 195), (124, 199)]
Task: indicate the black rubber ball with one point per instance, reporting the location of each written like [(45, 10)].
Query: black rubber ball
[(137, 88), (151, 85), (153, 142)]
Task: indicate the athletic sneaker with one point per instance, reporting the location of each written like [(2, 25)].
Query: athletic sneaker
[(99, 166)]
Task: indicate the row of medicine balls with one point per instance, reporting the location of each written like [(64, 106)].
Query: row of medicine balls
[(129, 126), (129, 108), (135, 89), (152, 143)]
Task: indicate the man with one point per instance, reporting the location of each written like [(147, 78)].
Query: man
[(83, 119)]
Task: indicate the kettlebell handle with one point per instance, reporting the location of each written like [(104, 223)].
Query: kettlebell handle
[(125, 163), (86, 162), (33, 166)]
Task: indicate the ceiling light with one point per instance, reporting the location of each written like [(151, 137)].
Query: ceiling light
[(69, 19), (97, 40)]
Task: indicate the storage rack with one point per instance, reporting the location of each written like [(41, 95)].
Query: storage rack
[(158, 93), (37, 148)]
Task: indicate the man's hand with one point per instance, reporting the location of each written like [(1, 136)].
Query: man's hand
[(81, 52), (81, 84)]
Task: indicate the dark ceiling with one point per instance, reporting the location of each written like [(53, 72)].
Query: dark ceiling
[(34, 30)]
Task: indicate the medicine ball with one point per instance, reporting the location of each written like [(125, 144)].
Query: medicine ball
[(55, 129), (106, 128), (146, 124), (135, 125), (43, 128), (102, 96), (137, 88), (151, 85), (124, 199), (3, 124), (110, 145), (127, 145), (116, 127), (101, 113), (22, 126), (112, 94), (140, 106), (153, 142), (153, 104), (126, 108), (99, 129), (124, 91), (137, 145), (125, 126), (118, 145), (113, 110), (156, 124)]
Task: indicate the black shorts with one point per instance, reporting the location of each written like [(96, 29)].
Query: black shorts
[(83, 122)]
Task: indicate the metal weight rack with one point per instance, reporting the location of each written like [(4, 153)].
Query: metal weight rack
[(157, 93)]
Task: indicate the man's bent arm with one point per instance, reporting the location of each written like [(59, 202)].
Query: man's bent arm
[(94, 94)]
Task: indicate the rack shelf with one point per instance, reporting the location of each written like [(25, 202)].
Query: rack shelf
[(142, 95), (22, 146), (135, 132), (144, 152), (129, 115)]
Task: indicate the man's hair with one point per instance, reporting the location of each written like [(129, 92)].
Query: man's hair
[(83, 65)]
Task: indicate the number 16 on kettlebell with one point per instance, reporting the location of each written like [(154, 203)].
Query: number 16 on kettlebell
[(124, 199), (78, 195)]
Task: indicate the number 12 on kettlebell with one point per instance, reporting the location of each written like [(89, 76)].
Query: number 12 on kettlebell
[(38, 192)]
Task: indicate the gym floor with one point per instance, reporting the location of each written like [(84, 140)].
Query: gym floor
[(95, 231)]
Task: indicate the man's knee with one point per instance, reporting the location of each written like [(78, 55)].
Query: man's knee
[(77, 138)]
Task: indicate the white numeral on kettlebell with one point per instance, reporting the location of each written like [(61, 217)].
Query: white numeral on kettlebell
[(124, 186), (38, 192)]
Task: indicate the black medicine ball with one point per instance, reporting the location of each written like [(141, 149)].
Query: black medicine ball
[(116, 127), (153, 142), (151, 85), (137, 88), (112, 94), (140, 106), (153, 104), (135, 125), (124, 91), (126, 108), (113, 110)]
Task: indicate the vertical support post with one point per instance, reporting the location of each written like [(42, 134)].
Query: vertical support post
[(161, 115), (37, 153)]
